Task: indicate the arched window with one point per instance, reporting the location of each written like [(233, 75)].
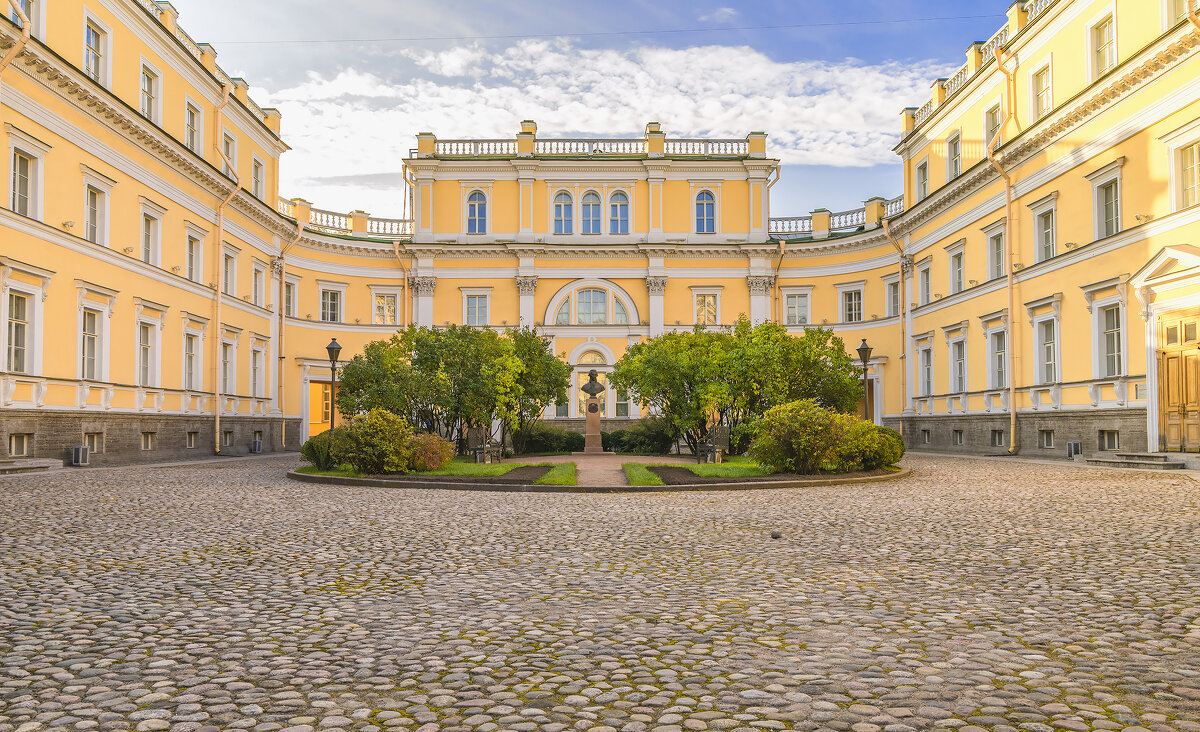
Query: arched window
[(618, 213), (591, 213), (592, 358), (591, 307), (562, 213), (706, 221), (620, 314), (476, 213), (563, 316)]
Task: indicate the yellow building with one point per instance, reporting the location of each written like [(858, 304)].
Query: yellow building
[(155, 299)]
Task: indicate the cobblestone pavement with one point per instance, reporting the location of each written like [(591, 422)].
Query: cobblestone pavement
[(974, 595)]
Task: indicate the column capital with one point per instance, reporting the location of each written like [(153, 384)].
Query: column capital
[(526, 285), (423, 286), (760, 284), (656, 285)]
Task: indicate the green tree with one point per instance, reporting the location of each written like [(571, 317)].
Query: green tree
[(544, 379)]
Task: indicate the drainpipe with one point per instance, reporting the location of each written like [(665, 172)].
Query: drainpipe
[(1010, 246), (26, 29), (282, 306), (775, 287), (411, 181), (220, 268), (905, 261)]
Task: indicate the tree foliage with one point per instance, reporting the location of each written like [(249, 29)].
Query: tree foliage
[(542, 381)]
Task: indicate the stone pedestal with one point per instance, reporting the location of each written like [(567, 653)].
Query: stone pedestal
[(591, 435)]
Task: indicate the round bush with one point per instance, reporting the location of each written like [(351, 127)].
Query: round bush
[(375, 442), (429, 452), (804, 437), (318, 450)]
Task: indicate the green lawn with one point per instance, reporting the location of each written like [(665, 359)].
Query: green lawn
[(639, 474), (561, 474), (468, 466), (339, 473), (735, 466)]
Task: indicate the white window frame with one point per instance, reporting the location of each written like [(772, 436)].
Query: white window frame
[(715, 192), (155, 112), (845, 288), (996, 269), (487, 207), (957, 281), (102, 185), (291, 304), (34, 311), (258, 183), (954, 140), (1039, 360), (228, 368), (324, 286), (197, 375), (926, 373), (198, 143), (600, 208), (197, 265), (101, 301), (804, 291), (154, 327), (227, 134), (151, 210), (567, 223), (106, 35), (952, 371), (258, 371), (1099, 179), (258, 282), (1036, 114), (919, 193), (1176, 142), (22, 142), (386, 291), (993, 383), (1108, 14), (486, 294), (1169, 18), (997, 105), (229, 274), (628, 211), (890, 281), (36, 14), (698, 290), (1099, 350), (924, 282), (1045, 205)]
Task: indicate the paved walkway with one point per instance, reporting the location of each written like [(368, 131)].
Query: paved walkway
[(972, 595), (606, 469)]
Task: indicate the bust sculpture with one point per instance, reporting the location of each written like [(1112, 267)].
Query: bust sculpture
[(593, 387)]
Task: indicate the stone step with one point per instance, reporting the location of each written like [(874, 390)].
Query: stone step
[(32, 465), (1160, 457), (1131, 463)]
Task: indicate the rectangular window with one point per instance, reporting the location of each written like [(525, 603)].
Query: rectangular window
[(226, 438), (258, 180), (1110, 209), (852, 306), (926, 437), (706, 309), (1111, 322), (93, 52), (1104, 47), (149, 96), (94, 442), (191, 128), (385, 309), (924, 285), (893, 299), (999, 372), (998, 438), (477, 310), (149, 440), (194, 265), (22, 184), (92, 214), (326, 402), (956, 438), (289, 299), (18, 332), (922, 181), (991, 123), (622, 405), (258, 290), (926, 372), (27, 8), (1042, 99), (229, 149), (331, 306), (1045, 439), (958, 353), (20, 444), (229, 275), (996, 255), (226, 367), (954, 156), (255, 373), (1047, 352), (149, 239), (144, 354), (89, 344), (1110, 440), (561, 410), (956, 272), (1045, 235), (1190, 158), (190, 344), (797, 309), (193, 438)]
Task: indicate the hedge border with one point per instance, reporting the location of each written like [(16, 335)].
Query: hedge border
[(731, 485)]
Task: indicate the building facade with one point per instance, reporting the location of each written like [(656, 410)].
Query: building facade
[(1035, 285)]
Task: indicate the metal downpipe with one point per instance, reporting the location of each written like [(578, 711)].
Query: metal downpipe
[(282, 305), (904, 259), (219, 260)]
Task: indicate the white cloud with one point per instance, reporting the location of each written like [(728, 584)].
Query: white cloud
[(720, 15), (355, 123)]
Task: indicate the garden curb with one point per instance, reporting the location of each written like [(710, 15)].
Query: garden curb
[(731, 485)]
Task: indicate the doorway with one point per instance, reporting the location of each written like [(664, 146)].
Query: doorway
[(1179, 381)]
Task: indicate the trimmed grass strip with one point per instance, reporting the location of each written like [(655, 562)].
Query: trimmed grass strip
[(561, 474), (639, 474)]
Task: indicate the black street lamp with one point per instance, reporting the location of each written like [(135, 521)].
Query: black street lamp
[(333, 349), (864, 355)]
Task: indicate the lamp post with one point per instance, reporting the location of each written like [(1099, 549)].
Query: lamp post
[(333, 349), (864, 355)]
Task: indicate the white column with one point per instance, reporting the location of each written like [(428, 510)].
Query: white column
[(657, 287), (1152, 387), (526, 286), (422, 288), (760, 297), (910, 374)]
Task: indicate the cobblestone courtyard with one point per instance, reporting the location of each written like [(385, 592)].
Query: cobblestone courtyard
[(974, 595)]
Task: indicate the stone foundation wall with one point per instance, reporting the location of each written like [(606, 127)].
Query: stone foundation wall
[(1082, 426), (607, 424), (55, 433)]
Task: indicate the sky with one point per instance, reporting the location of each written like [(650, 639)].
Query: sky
[(355, 80)]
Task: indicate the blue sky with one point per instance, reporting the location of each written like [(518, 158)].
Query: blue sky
[(827, 81)]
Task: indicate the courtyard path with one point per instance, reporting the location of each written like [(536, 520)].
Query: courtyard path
[(973, 595)]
